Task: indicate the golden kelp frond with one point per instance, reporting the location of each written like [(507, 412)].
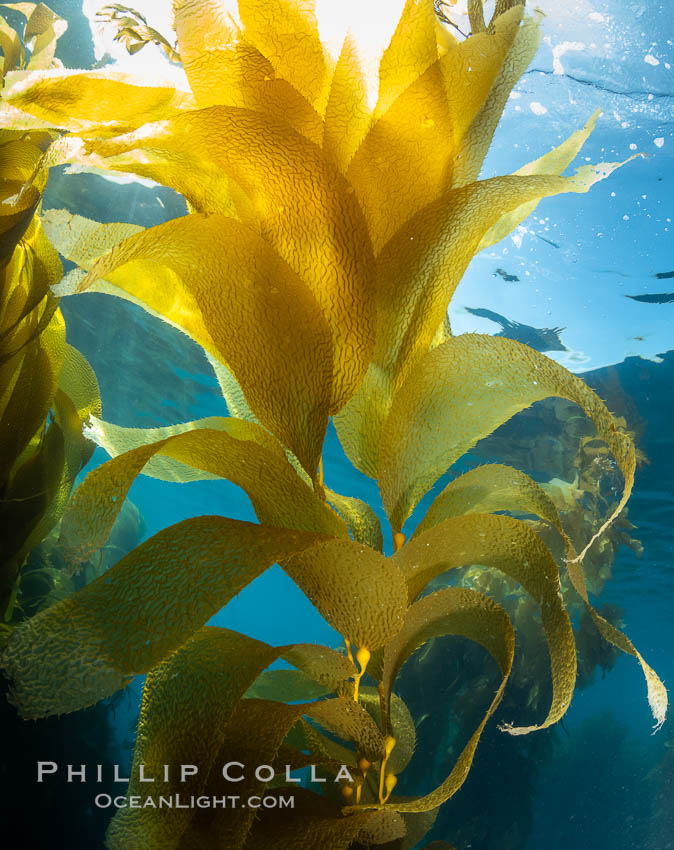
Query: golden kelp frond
[(14, 53), (359, 592), (224, 286), (476, 141), (405, 161), (400, 725), (347, 116), (80, 101), (322, 664), (511, 546), (361, 519), (187, 703), (239, 451), (461, 392), (82, 240), (43, 26), (489, 488), (224, 69), (417, 273), (286, 33), (294, 191), (412, 50), (148, 604)]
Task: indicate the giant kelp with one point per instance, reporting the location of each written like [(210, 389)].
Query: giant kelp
[(47, 389), (323, 243)]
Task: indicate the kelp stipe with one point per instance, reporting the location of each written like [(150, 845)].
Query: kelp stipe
[(324, 242)]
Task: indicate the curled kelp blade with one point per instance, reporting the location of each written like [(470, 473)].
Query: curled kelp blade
[(456, 611), (224, 285), (91, 644), (239, 451), (405, 160), (83, 240), (188, 700), (417, 273), (294, 189), (512, 547), (438, 415), (286, 686), (442, 613), (358, 591), (490, 488), (101, 102)]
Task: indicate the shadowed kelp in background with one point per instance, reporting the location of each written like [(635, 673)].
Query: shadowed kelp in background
[(323, 244)]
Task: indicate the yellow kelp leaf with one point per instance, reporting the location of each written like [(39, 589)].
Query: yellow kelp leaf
[(78, 380), (240, 451), (417, 274), (515, 549), (351, 722), (294, 190), (323, 665), (553, 162), (25, 409), (83, 240), (412, 50), (347, 116), (46, 28), (361, 519), (425, 124), (14, 54), (231, 391), (458, 394), (106, 102), (461, 612), (286, 686), (224, 286), (223, 69), (286, 32), (359, 592), (116, 440), (477, 140), (188, 700), (489, 488), (92, 643), (418, 824)]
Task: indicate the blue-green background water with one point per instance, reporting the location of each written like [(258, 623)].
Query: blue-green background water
[(601, 781)]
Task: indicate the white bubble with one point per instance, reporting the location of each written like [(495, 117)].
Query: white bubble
[(659, 142), (537, 108), (651, 59)]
